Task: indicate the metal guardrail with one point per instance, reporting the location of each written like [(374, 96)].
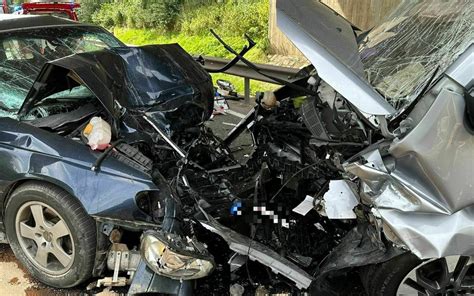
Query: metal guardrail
[(242, 70)]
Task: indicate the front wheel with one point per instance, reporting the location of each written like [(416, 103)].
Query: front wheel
[(51, 234), (408, 275)]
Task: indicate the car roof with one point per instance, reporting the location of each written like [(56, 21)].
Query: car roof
[(11, 22)]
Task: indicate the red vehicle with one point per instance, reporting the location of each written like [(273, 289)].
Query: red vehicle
[(64, 9)]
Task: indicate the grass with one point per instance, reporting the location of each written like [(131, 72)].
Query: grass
[(202, 45)]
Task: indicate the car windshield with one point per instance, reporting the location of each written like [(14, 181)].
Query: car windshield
[(416, 44), (23, 53)]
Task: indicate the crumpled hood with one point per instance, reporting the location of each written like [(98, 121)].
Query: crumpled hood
[(329, 42), (162, 77)]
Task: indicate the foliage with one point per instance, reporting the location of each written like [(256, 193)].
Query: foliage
[(231, 18), (196, 44), (162, 14), (87, 10), (157, 14)]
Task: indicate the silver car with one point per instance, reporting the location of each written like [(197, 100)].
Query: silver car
[(410, 78)]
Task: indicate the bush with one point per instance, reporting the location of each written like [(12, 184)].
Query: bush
[(87, 10), (232, 18), (107, 16), (162, 14), (158, 14)]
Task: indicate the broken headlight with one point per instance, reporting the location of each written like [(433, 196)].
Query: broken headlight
[(176, 257)]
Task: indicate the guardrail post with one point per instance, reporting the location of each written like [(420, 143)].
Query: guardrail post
[(247, 89)]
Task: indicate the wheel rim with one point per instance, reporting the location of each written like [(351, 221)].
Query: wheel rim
[(45, 238), (453, 275)]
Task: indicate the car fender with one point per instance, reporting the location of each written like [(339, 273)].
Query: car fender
[(29, 153)]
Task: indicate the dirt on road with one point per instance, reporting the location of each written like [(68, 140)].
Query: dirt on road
[(14, 280)]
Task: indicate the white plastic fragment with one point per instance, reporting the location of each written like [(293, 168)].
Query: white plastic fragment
[(340, 200), (305, 206)]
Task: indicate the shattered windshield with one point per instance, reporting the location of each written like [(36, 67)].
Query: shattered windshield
[(416, 43), (23, 54)]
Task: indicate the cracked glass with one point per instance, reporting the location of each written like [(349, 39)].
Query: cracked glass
[(415, 45), (23, 54)]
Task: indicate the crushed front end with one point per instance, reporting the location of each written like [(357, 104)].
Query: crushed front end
[(330, 184)]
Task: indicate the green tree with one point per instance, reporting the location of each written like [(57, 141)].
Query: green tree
[(88, 9)]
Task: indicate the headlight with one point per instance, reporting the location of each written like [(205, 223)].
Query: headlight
[(176, 257)]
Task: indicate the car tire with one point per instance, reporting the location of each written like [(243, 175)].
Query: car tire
[(384, 279), (60, 249)]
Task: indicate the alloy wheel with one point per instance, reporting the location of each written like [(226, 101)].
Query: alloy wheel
[(453, 275), (45, 237)]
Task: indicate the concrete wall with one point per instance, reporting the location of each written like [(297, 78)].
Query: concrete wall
[(362, 13)]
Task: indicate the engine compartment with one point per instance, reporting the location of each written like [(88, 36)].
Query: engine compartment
[(298, 145), (298, 139)]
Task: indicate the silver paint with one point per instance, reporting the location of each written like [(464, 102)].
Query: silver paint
[(461, 70), (438, 154), (433, 235), (335, 56), (423, 187)]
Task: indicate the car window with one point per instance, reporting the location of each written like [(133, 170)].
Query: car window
[(23, 54)]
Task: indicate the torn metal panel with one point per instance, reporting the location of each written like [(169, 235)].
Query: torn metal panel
[(340, 200), (326, 27), (433, 164), (361, 246), (382, 189), (258, 252), (305, 206), (237, 261), (433, 235), (437, 154), (425, 198)]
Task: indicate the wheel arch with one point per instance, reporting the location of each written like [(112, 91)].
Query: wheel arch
[(33, 179)]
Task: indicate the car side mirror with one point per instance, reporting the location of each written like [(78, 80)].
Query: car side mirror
[(469, 114)]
